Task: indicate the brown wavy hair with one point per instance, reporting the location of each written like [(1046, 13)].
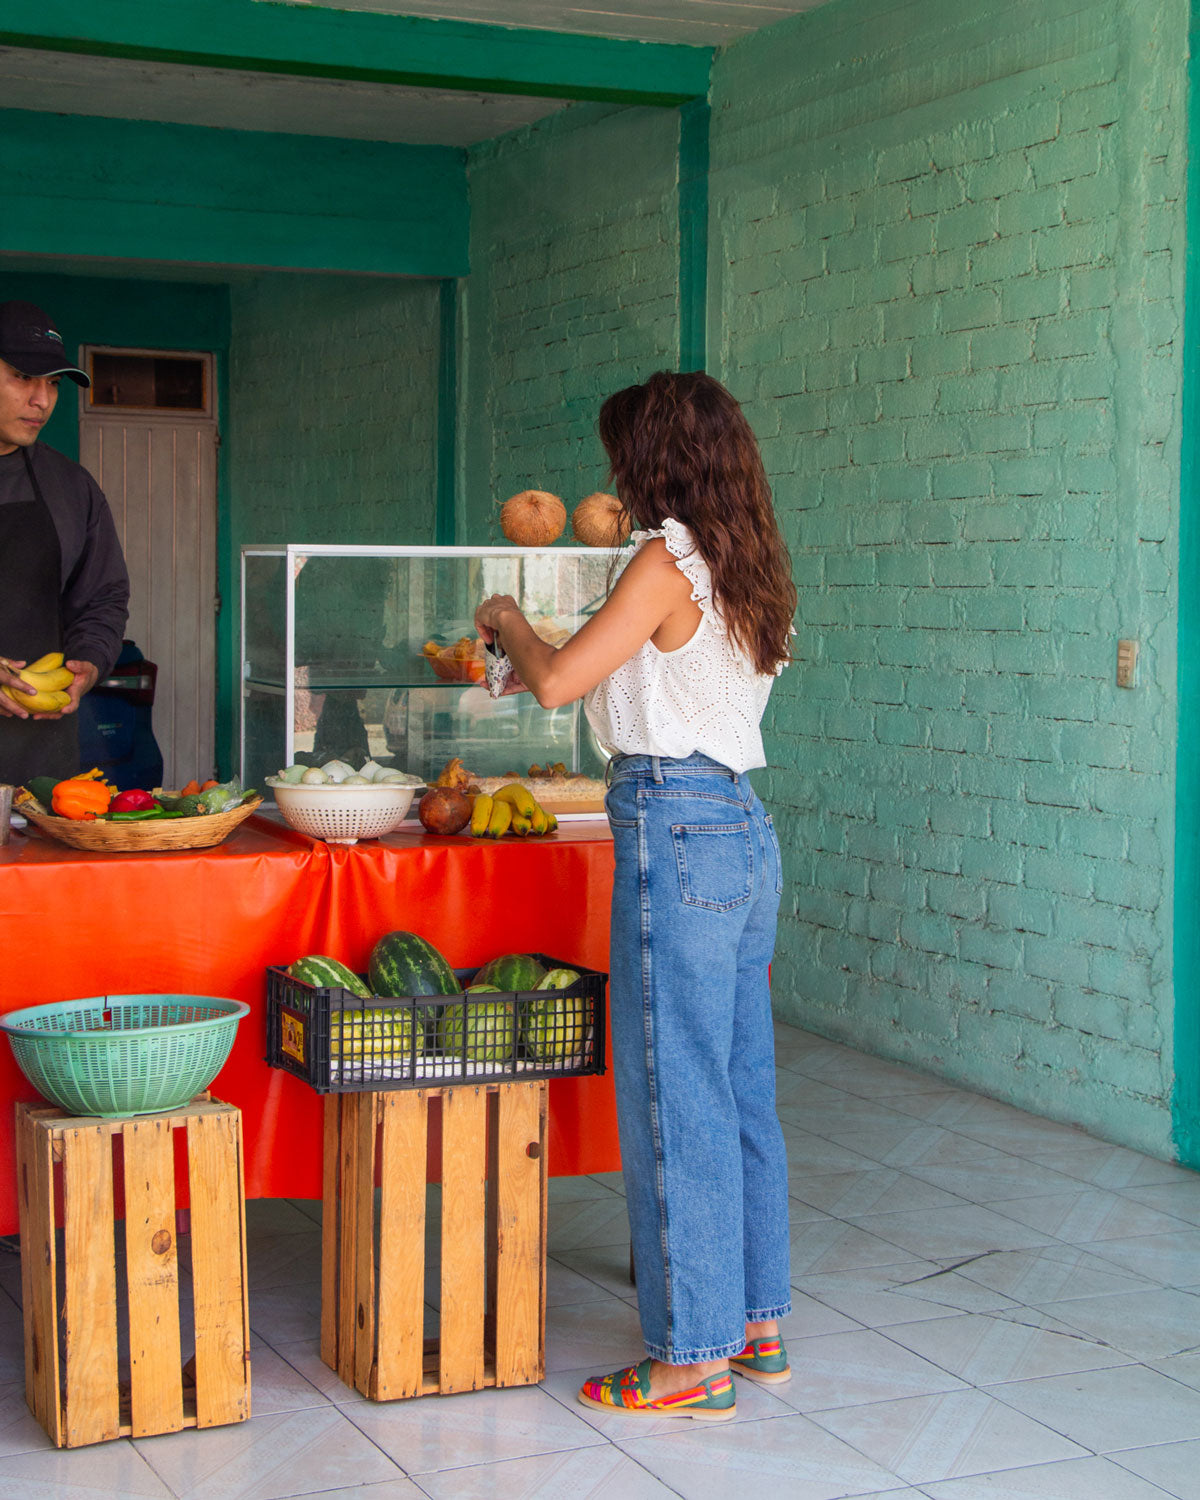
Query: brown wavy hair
[(680, 447)]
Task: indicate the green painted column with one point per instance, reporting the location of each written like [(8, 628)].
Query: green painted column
[(693, 234), (1185, 1100), (447, 411)]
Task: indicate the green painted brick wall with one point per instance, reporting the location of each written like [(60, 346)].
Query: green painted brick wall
[(333, 395), (573, 294), (332, 423), (946, 279)]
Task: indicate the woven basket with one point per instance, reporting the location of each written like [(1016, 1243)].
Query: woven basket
[(125, 838)]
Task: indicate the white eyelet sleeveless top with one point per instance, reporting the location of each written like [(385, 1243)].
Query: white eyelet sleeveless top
[(705, 696)]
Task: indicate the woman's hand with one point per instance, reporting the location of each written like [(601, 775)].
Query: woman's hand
[(488, 615)]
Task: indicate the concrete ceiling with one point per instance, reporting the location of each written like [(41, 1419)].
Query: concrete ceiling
[(65, 82)]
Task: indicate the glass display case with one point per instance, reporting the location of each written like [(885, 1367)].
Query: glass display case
[(350, 652)]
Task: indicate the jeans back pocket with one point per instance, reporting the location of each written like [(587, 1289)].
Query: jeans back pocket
[(715, 864)]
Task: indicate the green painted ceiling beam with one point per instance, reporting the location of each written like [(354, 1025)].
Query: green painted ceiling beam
[(316, 41)]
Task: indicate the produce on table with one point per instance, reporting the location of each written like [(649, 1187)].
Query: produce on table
[(42, 787), (600, 520), (545, 784), (556, 1027), (512, 971), (548, 1027), (512, 809), (374, 1033), (48, 682), (328, 973), (134, 800), (82, 798), (338, 773), (559, 979), (88, 797), (482, 1031), (533, 518), (444, 809), (404, 963)]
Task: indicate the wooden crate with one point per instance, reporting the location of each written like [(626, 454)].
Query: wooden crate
[(493, 1239), (104, 1353)]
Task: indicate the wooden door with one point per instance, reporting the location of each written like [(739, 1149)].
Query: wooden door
[(159, 473)]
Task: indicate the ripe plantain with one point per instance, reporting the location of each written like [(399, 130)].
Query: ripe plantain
[(39, 702), (44, 663), (520, 796), (49, 681), (500, 819), (481, 814)]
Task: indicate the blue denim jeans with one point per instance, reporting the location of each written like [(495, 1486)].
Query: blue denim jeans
[(695, 901)]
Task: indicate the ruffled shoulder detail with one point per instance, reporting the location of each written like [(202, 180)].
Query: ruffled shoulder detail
[(682, 548)]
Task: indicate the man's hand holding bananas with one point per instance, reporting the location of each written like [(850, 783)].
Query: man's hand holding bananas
[(47, 688)]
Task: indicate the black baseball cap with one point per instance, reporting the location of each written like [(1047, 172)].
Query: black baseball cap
[(30, 343)]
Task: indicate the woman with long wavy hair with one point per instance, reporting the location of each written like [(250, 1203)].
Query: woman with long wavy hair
[(675, 669)]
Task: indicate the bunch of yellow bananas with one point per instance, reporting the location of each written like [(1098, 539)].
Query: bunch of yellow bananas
[(513, 809), (48, 681)]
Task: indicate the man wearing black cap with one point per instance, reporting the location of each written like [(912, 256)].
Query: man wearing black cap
[(63, 581)]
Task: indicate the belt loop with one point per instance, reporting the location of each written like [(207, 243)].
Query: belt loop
[(656, 767)]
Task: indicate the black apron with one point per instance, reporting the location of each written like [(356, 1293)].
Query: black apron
[(30, 625)]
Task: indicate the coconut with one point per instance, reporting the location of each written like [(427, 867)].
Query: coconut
[(600, 520), (534, 518)]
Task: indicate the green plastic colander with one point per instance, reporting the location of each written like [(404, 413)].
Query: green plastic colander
[(116, 1055)]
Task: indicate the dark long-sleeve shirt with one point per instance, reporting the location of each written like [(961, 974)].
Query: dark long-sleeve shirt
[(95, 582)]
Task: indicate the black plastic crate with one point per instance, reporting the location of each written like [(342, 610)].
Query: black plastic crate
[(342, 1043)]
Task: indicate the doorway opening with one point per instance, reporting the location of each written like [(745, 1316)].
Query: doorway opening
[(148, 433)]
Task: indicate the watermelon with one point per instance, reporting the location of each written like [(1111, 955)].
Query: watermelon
[(513, 971), (404, 963), (559, 979), (490, 1028), (327, 974), (555, 1029), (375, 1034)]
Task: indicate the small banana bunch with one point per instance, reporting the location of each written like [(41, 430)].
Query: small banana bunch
[(513, 809), (48, 681)]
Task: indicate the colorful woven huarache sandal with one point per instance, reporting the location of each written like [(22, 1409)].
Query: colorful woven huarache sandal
[(764, 1360), (627, 1390)]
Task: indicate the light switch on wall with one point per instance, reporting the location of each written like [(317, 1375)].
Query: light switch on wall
[(1127, 655)]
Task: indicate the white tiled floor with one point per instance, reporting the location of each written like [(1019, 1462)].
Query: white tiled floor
[(989, 1306)]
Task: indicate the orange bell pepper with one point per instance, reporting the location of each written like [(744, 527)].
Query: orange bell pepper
[(81, 797)]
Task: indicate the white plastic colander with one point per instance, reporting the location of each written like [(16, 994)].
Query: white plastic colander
[(343, 814)]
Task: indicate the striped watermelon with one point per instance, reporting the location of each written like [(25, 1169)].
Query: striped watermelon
[(404, 963), (481, 1030), (327, 974), (512, 971)]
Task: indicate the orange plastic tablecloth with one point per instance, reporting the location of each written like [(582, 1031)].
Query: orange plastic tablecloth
[(209, 922)]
